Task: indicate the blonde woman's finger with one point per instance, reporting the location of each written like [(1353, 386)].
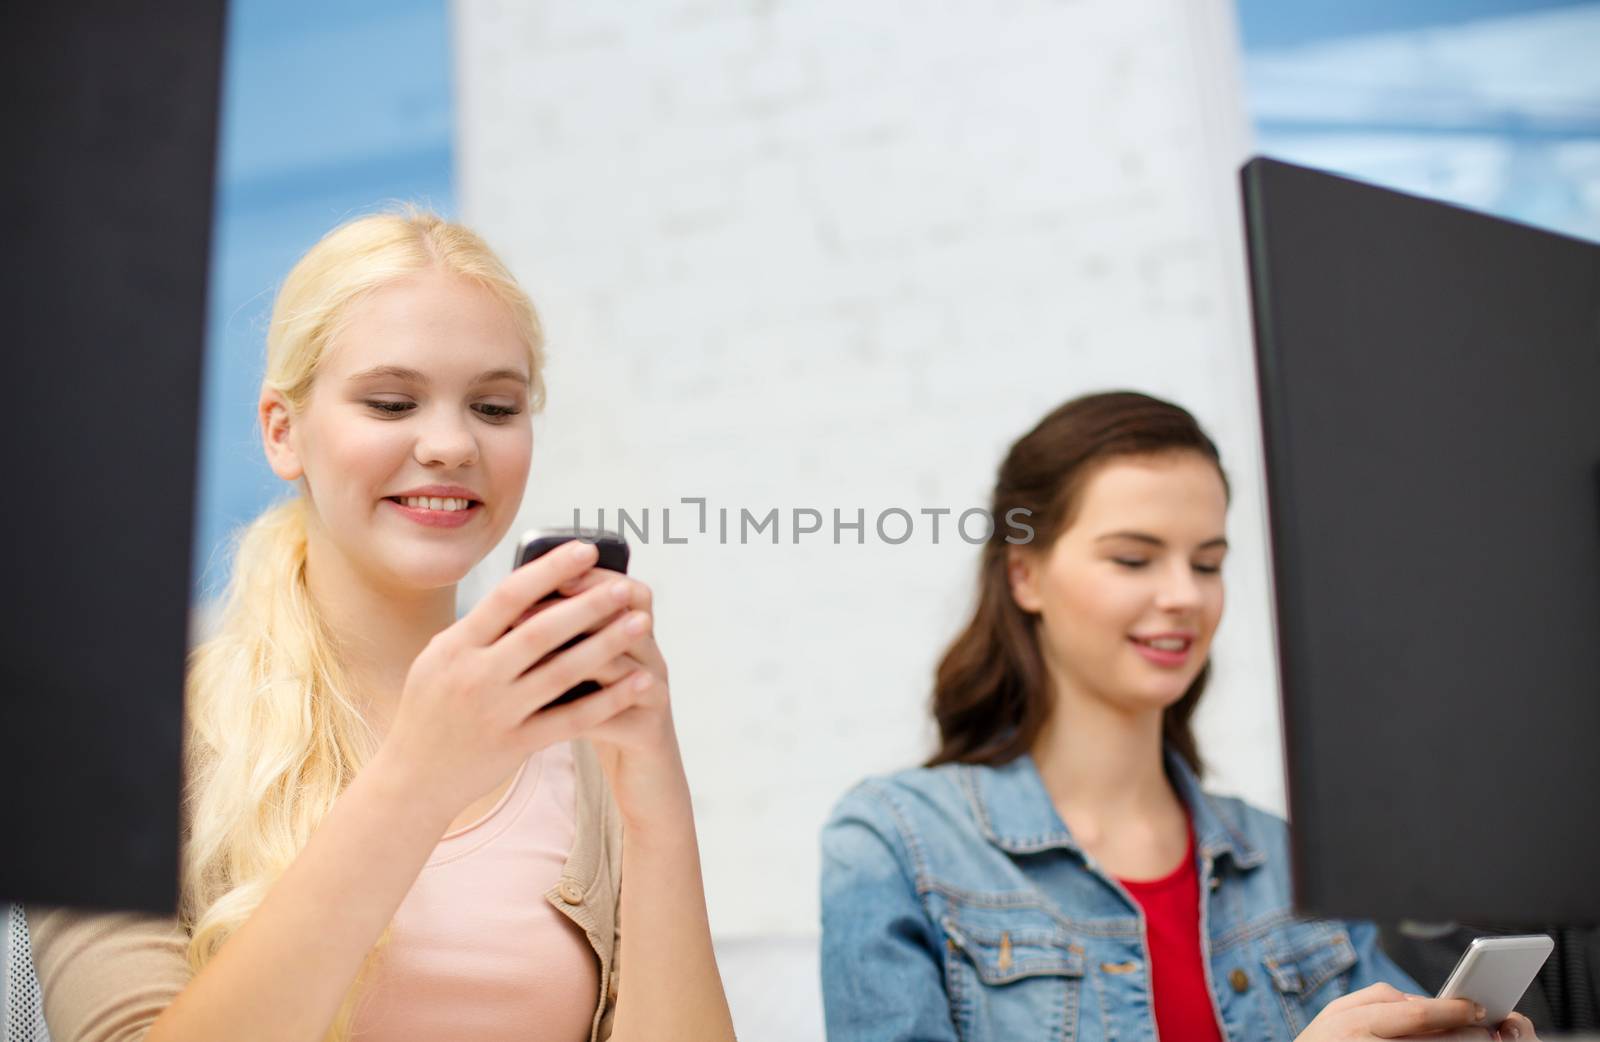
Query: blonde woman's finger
[(593, 577), (564, 722), (618, 668), (518, 592), (581, 662), (550, 627)]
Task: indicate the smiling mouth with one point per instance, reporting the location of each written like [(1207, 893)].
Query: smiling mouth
[(1169, 644), (444, 503)]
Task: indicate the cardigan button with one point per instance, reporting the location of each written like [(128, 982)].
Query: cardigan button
[(1240, 981), (570, 892)]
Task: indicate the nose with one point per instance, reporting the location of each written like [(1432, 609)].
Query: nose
[(1179, 591), (444, 439)]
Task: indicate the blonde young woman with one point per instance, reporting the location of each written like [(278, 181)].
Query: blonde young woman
[(387, 836)]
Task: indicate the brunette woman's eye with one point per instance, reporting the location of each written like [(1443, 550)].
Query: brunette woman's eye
[(1131, 562), (1208, 569), (390, 407), (497, 413)]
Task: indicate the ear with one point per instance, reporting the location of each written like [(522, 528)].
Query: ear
[(275, 416), (1022, 569)]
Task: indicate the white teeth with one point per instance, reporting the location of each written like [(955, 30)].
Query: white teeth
[(435, 503), (1168, 643)]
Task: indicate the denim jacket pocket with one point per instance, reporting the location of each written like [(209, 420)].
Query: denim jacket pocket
[(1309, 964), (1011, 973)]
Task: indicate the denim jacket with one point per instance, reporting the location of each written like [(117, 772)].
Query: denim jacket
[(955, 905)]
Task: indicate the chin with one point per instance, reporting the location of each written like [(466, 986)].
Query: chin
[(435, 580), (425, 570), (1159, 693)]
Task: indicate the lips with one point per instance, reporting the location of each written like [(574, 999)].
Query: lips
[(1165, 641), (451, 514), (437, 492), (434, 502), (1166, 650)]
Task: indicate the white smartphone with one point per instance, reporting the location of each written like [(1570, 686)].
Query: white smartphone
[(1495, 971)]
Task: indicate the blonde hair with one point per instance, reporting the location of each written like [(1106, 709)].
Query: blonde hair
[(273, 735)]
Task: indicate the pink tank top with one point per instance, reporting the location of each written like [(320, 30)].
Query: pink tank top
[(477, 954)]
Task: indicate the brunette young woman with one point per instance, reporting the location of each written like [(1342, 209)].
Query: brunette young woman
[(388, 834), (1056, 871)]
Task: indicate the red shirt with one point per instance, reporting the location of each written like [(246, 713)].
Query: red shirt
[(1184, 1012)]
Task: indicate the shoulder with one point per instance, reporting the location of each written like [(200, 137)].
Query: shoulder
[(905, 799), (1246, 818), (906, 812), (1252, 827)]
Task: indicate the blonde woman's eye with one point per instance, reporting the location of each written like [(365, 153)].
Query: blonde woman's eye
[(1131, 562), (1208, 569), (391, 407), (497, 412)]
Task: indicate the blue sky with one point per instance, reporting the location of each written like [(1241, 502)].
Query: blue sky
[(1485, 103), (1278, 23)]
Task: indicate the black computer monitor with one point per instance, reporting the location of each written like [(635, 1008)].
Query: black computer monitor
[(109, 131), (1430, 398)]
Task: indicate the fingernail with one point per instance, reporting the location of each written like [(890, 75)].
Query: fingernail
[(619, 591), (1481, 1012), (643, 681), (578, 549), (1516, 1032), (638, 623)]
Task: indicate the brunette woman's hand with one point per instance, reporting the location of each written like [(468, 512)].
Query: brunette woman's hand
[(473, 706), (1384, 1012), (1517, 1027)]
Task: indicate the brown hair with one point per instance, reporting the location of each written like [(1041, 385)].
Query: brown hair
[(991, 694)]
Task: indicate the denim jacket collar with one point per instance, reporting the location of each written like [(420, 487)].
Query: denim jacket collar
[(1016, 814)]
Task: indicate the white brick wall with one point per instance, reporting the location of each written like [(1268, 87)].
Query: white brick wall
[(838, 255)]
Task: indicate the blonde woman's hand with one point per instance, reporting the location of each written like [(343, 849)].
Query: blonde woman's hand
[(473, 706), (638, 747), (1381, 1011)]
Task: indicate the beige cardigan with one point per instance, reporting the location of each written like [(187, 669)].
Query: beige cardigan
[(106, 977)]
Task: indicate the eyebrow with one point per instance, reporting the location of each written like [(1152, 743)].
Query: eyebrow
[(400, 372), (1145, 537)]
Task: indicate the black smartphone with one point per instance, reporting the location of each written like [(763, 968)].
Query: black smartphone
[(613, 555)]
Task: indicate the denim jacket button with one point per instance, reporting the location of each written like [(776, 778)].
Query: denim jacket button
[(1240, 981)]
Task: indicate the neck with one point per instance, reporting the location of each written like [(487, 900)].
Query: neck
[(380, 630), (1102, 764)]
